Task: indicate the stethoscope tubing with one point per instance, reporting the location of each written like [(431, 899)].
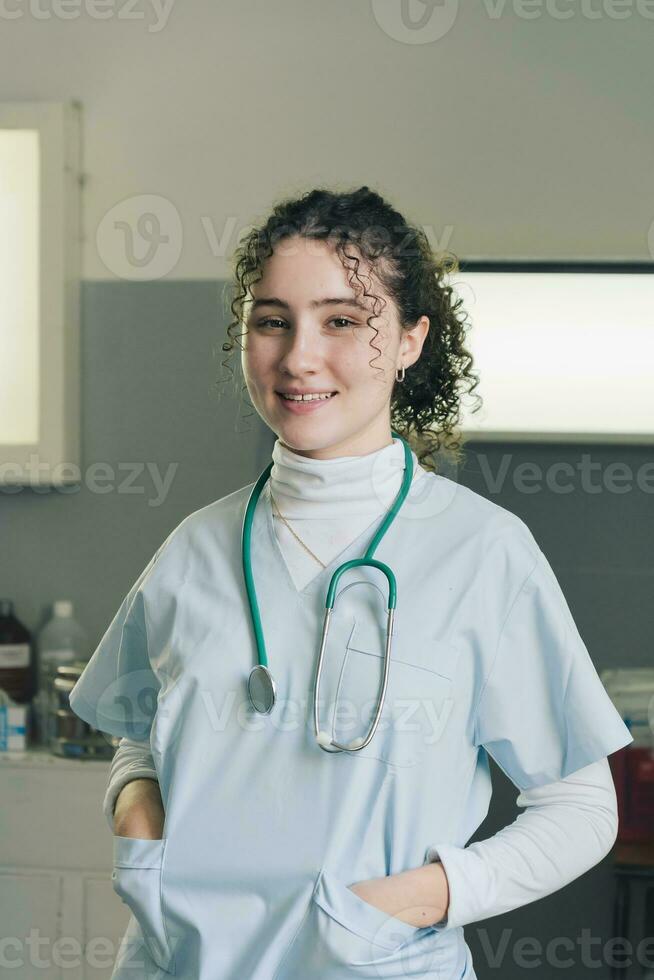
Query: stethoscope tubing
[(261, 674)]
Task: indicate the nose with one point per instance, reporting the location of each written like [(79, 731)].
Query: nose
[(302, 352)]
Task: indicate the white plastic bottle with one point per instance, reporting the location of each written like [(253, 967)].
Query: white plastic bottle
[(61, 641)]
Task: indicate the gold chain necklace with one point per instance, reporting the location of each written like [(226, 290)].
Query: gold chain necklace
[(298, 538)]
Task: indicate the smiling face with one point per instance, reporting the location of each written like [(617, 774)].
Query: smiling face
[(307, 331)]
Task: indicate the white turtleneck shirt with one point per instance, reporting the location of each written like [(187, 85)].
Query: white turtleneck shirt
[(568, 826)]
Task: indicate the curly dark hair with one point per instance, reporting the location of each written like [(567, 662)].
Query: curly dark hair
[(425, 407)]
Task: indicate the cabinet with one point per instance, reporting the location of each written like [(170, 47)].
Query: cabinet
[(60, 918)]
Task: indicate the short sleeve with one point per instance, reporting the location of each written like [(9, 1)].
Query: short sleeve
[(543, 711), (117, 690)]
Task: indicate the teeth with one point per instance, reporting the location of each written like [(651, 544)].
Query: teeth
[(307, 398)]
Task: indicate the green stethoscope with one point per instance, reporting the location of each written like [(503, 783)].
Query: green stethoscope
[(261, 685)]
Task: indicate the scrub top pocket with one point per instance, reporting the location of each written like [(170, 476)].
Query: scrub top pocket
[(419, 695), (366, 921), (136, 878), (343, 936)]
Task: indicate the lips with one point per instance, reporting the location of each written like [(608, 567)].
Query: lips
[(290, 396), (301, 406)]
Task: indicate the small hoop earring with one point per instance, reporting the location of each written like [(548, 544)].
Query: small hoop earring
[(400, 377)]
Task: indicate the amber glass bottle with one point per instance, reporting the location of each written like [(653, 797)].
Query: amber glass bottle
[(17, 659)]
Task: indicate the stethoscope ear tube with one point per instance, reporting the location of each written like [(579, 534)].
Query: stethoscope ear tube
[(325, 741)]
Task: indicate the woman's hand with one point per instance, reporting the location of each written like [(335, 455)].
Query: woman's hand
[(420, 896), (139, 810)]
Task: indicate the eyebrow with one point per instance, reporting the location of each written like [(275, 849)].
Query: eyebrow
[(314, 304)]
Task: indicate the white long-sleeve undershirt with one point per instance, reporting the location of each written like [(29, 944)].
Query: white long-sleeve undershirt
[(567, 826)]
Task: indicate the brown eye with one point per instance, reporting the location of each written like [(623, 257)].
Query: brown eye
[(270, 319)]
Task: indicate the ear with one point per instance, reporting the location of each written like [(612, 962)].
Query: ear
[(412, 340)]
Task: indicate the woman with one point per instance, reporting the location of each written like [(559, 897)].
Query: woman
[(253, 848)]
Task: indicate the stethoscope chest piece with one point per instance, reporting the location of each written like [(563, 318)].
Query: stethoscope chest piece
[(261, 689)]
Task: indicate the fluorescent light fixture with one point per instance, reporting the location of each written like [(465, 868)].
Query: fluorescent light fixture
[(564, 352), (19, 286), (40, 183)]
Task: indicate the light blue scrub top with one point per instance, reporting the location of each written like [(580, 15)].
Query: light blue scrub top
[(263, 829)]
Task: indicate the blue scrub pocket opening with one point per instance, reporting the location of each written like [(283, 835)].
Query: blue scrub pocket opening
[(419, 696), (342, 936), (136, 879), (379, 930)]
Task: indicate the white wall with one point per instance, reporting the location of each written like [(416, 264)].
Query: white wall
[(524, 130)]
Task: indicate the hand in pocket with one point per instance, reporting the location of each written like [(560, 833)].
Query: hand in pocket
[(418, 896)]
